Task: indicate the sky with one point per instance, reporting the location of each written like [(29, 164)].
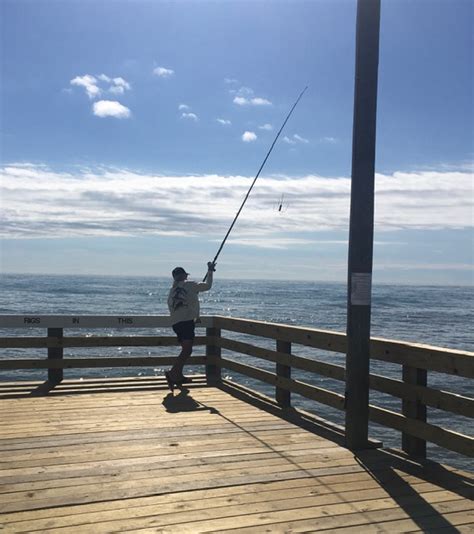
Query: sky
[(131, 131)]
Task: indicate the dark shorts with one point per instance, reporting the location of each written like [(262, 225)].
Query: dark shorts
[(184, 330)]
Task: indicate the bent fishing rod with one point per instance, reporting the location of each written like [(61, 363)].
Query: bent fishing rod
[(255, 179)]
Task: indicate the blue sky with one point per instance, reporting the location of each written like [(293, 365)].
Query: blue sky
[(131, 130)]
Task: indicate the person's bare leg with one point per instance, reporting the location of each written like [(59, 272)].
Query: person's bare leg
[(176, 371)]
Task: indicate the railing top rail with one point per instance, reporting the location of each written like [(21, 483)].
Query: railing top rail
[(91, 321), (299, 333), (289, 327), (379, 344)]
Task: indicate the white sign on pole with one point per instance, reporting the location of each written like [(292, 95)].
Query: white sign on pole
[(361, 289)]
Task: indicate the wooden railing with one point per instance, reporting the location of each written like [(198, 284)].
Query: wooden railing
[(415, 360), (55, 342)]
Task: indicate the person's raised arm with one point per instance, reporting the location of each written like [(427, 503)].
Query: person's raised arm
[(205, 286)]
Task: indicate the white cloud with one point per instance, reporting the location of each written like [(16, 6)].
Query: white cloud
[(183, 107), (245, 97), (243, 91), (111, 108), (41, 202), (240, 101), (163, 72), (467, 165), (260, 102), (190, 116), (117, 90), (329, 140), (119, 86), (230, 81), (294, 139), (120, 82), (248, 137), (89, 83), (267, 127), (271, 242), (256, 101), (300, 139), (224, 122)]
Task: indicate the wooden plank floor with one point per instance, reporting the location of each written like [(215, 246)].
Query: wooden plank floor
[(123, 455)]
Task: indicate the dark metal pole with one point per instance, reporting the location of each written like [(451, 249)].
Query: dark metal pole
[(361, 224)]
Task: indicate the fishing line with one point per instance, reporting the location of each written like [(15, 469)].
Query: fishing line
[(255, 179)]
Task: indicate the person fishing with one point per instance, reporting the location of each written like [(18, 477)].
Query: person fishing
[(183, 301), (183, 304)]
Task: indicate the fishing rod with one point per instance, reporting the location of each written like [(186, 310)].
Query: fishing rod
[(255, 179)]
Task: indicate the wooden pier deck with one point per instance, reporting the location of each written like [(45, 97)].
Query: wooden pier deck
[(110, 455)]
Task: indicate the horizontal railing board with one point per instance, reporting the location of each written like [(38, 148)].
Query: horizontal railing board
[(314, 366), (449, 439), (451, 361), (92, 321), (311, 337), (84, 363), (95, 341), (324, 396), (317, 394), (443, 400)]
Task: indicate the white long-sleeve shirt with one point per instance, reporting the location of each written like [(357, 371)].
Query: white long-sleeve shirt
[(183, 299)]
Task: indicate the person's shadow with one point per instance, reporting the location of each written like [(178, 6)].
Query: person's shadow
[(183, 402)]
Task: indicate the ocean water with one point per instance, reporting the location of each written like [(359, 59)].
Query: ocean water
[(441, 316)]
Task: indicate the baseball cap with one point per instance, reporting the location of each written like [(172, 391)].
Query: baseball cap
[(177, 271)]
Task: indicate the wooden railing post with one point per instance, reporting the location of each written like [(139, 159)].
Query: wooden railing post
[(414, 409), (55, 353), (213, 355), (283, 396)]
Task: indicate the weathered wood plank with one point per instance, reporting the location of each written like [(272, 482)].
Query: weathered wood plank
[(451, 361), (443, 400), (239, 495), (66, 474), (115, 519), (448, 522), (29, 342), (449, 439), (157, 438), (92, 321), (259, 514), (311, 337), (206, 465), (96, 362), (88, 458), (323, 485), (397, 518)]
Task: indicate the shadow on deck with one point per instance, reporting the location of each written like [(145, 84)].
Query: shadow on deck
[(106, 455)]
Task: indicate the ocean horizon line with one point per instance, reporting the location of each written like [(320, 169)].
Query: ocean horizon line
[(233, 279)]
